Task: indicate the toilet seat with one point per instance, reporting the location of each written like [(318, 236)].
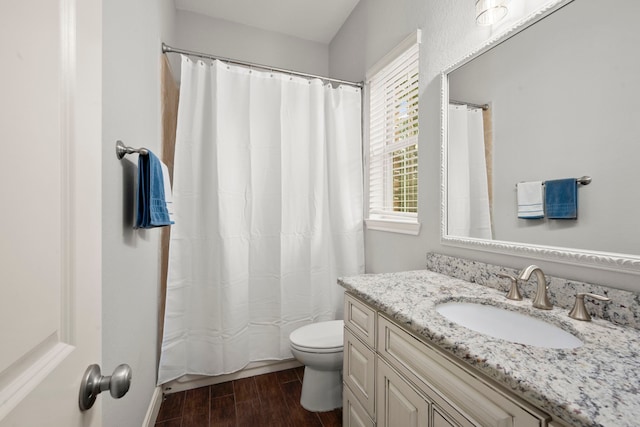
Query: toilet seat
[(321, 337)]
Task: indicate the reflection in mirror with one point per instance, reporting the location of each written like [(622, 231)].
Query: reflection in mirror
[(563, 99), (469, 165)]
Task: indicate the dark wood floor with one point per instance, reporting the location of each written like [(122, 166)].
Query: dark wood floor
[(265, 400)]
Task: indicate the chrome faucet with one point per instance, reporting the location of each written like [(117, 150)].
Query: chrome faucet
[(541, 299)]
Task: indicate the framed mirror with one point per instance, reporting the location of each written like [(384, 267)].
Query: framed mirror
[(556, 96)]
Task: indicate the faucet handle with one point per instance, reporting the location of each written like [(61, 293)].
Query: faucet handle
[(579, 311), (514, 291)]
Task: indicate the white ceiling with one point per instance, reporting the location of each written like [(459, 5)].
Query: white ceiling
[(316, 20)]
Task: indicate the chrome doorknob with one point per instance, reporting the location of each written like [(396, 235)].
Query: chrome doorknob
[(94, 383)]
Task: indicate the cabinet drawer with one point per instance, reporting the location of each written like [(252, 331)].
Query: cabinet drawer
[(353, 414), (458, 392), (360, 319), (358, 371)]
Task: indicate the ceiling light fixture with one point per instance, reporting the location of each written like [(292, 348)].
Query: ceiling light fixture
[(488, 12)]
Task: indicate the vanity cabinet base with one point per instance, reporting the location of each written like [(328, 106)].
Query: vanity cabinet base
[(400, 380)]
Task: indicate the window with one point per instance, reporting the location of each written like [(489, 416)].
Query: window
[(393, 140)]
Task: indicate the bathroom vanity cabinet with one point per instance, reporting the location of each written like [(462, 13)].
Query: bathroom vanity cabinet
[(394, 378)]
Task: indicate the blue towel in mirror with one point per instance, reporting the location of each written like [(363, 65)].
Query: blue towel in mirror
[(561, 198), (151, 201)]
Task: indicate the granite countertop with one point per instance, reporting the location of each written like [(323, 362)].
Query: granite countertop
[(597, 384)]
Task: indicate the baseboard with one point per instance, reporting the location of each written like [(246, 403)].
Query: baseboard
[(154, 408), (189, 382)]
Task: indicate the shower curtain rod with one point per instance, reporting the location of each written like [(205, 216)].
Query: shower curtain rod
[(168, 49), (482, 106)]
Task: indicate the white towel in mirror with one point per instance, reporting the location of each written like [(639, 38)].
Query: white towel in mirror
[(530, 199)]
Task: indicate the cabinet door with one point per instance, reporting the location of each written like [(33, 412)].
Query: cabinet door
[(353, 414), (440, 420), (398, 403), (358, 370)]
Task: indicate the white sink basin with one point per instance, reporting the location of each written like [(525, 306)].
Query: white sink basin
[(507, 325)]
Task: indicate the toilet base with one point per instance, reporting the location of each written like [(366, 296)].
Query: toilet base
[(321, 390)]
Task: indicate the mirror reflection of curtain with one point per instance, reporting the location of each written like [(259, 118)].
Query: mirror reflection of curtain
[(487, 122), (469, 212)]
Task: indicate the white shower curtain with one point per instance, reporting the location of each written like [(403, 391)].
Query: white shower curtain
[(468, 210), (268, 212)]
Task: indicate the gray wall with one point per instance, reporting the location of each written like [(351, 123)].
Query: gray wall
[(130, 264), (235, 41), (448, 33)]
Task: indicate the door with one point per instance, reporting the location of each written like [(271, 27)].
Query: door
[(50, 204)]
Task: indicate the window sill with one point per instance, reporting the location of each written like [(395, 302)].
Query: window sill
[(393, 226)]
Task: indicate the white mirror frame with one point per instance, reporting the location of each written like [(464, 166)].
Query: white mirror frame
[(599, 260)]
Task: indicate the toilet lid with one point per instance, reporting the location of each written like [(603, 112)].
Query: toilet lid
[(319, 336)]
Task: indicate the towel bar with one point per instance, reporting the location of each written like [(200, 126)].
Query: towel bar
[(122, 150), (583, 180)]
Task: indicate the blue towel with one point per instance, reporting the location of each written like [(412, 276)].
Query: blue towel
[(561, 198), (152, 205)]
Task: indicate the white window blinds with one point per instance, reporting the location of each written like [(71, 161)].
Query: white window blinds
[(393, 138)]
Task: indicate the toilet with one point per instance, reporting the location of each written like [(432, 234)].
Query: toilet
[(319, 346)]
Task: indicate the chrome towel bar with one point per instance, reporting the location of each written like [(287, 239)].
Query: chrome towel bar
[(122, 150), (583, 180)]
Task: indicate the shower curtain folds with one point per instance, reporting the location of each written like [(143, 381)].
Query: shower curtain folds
[(268, 211), (468, 206)]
